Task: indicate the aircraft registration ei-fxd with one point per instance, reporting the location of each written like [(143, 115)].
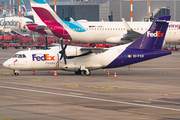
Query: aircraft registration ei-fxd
[(47, 22), (84, 59)]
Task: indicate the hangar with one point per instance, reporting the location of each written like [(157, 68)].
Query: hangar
[(97, 10)]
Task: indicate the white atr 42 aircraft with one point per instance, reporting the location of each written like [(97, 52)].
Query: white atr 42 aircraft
[(47, 22), (13, 22), (79, 59)]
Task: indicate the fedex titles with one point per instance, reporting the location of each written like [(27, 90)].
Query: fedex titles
[(8, 23), (45, 57), (157, 34)]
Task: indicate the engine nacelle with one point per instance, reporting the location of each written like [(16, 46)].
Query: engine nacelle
[(117, 40), (33, 27), (74, 51)]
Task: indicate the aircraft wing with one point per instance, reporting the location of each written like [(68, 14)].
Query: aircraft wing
[(94, 50), (131, 34)]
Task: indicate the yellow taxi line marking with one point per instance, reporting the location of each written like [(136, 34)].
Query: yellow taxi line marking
[(5, 118)]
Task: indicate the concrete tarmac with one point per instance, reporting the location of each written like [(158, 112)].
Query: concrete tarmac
[(149, 91)]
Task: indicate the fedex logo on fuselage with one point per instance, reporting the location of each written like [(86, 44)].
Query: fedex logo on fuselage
[(45, 57), (157, 34)]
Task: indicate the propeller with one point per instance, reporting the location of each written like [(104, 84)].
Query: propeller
[(63, 52)]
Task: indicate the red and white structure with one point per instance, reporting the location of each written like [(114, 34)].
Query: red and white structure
[(13, 9), (9, 8), (131, 11), (19, 14), (149, 10), (55, 6)]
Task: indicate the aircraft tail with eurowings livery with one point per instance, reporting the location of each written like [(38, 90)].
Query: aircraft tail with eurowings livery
[(24, 10), (47, 22)]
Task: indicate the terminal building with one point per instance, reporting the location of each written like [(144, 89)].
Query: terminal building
[(115, 10)]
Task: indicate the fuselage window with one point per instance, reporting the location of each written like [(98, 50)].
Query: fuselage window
[(19, 56), (15, 56), (24, 56)]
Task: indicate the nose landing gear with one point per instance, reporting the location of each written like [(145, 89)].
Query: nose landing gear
[(16, 72)]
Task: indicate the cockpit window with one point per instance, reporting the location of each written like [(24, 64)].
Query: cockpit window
[(24, 56), (19, 56), (29, 22), (15, 56)]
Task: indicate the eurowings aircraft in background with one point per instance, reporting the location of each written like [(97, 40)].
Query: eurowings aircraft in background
[(24, 10), (13, 22), (83, 59), (47, 22)]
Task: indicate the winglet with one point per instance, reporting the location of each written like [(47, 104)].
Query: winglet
[(128, 28)]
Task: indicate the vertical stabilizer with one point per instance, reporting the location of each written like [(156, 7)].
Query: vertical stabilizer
[(24, 11), (43, 13), (154, 37)]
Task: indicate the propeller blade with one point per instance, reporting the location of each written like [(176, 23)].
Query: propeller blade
[(61, 44), (62, 52), (61, 56), (65, 47), (65, 59)]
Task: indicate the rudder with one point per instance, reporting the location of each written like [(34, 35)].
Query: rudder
[(154, 37)]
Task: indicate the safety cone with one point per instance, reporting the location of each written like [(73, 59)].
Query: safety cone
[(115, 75), (55, 73), (108, 73), (33, 72), (12, 52)]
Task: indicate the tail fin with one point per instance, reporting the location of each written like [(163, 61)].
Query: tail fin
[(154, 37), (43, 13), (45, 16), (24, 11)]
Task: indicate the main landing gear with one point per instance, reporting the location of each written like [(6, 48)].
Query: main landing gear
[(85, 72)]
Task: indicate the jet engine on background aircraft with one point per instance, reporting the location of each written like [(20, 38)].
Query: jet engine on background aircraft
[(117, 40)]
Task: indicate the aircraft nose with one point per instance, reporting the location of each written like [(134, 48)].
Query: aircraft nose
[(5, 64)]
